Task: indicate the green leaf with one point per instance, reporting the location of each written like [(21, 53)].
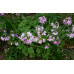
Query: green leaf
[(25, 51), (30, 50), (38, 50)]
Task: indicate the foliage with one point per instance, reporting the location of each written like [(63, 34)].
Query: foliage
[(38, 37)]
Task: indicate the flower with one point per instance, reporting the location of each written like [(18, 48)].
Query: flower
[(44, 33), (52, 30), (50, 38), (67, 21), (55, 33), (4, 30), (16, 44), (43, 40), (29, 33), (2, 38), (11, 43), (55, 42), (71, 35), (40, 41), (46, 47), (35, 39), (58, 43), (55, 26), (7, 38), (16, 35), (12, 35), (42, 19), (52, 24), (39, 28), (23, 34), (29, 41)]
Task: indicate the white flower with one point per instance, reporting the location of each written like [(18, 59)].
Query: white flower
[(40, 41), (29, 33), (52, 30), (55, 33), (35, 39), (16, 44), (11, 43), (43, 40), (23, 34)]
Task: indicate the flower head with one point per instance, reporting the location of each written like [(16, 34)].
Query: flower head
[(16, 44), (46, 47), (42, 19), (67, 21)]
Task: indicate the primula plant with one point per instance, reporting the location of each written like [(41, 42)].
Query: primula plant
[(36, 36)]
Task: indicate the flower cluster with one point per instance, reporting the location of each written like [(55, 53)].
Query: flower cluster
[(54, 34), (5, 38), (67, 21), (55, 40), (71, 35), (29, 38), (42, 19), (40, 33), (56, 25)]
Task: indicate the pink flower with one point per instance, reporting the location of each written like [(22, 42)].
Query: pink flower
[(42, 19), (55, 42), (53, 38), (23, 34), (35, 39), (52, 24), (55, 33), (29, 34), (55, 26), (7, 38), (12, 35), (4, 31), (16, 35), (29, 41), (43, 40), (46, 47), (52, 30), (2, 38), (58, 43), (22, 39), (57, 38), (44, 33), (71, 35), (67, 21)]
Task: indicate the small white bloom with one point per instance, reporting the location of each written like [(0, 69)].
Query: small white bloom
[(40, 41), (43, 40), (55, 33), (35, 39), (29, 33), (16, 44)]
